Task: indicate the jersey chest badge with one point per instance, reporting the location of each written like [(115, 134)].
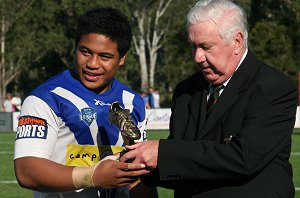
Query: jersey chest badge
[(88, 115)]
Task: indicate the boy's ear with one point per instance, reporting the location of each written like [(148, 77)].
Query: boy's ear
[(122, 60)]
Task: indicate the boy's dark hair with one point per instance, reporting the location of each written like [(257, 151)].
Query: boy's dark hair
[(109, 22)]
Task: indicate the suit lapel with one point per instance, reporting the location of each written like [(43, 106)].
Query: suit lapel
[(228, 98), (239, 82), (203, 111), (196, 106)]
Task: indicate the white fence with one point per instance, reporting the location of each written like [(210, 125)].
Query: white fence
[(297, 123), (157, 119)]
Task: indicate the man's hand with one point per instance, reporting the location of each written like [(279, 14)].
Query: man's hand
[(112, 173), (142, 152)]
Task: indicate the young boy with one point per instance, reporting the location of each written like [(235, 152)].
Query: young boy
[(64, 128)]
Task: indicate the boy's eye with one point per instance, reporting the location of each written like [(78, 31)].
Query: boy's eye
[(106, 56), (85, 52)]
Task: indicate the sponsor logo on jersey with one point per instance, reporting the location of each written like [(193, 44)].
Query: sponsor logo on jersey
[(99, 102), (88, 115), (32, 127), (88, 155)]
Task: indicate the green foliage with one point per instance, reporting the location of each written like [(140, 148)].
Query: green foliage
[(175, 61), (129, 73), (275, 48), (39, 39), (274, 34)]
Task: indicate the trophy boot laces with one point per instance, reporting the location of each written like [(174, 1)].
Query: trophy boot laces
[(121, 118)]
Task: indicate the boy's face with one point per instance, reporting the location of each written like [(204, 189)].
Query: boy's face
[(96, 62)]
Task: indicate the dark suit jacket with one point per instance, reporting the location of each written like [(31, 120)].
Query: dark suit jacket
[(242, 148)]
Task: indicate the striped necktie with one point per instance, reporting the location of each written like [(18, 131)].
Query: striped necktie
[(214, 96)]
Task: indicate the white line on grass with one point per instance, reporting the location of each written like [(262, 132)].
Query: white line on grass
[(7, 143), (6, 153), (8, 182)]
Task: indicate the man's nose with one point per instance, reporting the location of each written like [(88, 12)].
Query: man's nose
[(199, 55)]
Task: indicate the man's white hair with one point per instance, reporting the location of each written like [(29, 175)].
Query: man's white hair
[(228, 17)]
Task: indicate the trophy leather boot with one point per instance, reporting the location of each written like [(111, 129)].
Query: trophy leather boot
[(121, 118)]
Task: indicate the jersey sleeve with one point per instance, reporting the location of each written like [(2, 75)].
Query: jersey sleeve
[(37, 130)]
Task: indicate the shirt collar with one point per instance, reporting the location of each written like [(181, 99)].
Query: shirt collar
[(242, 59), (227, 81)]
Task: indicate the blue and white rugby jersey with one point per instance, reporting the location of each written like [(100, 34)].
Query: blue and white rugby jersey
[(65, 122)]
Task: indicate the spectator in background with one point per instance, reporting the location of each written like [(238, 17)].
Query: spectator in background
[(150, 97), (156, 98), (16, 102), (7, 104), (146, 99)]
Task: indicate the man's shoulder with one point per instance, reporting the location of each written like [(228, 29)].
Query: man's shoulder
[(194, 82), (196, 77), (271, 77), (190, 86)]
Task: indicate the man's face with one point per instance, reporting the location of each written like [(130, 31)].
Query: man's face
[(96, 62), (215, 58)]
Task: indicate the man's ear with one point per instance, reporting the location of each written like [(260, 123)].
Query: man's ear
[(122, 60), (239, 42)]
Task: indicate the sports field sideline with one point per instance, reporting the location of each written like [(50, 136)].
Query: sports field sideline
[(10, 189)]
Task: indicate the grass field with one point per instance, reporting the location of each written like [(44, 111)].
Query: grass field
[(10, 189)]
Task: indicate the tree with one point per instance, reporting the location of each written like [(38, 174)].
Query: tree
[(10, 12), (43, 40), (148, 36), (273, 31), (175, 60), (40, 35)]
